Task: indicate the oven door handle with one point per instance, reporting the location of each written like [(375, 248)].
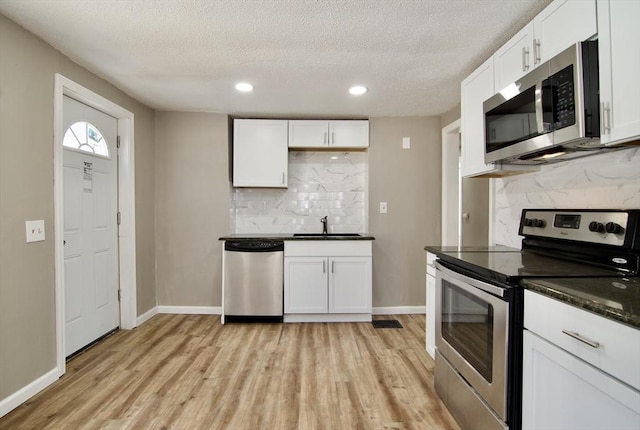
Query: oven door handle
[(488, 288)]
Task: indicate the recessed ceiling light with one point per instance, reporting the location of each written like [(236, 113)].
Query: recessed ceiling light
[(245, 87), (358, 90)]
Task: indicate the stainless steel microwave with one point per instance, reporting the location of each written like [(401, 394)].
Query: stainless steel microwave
[(551, 114)]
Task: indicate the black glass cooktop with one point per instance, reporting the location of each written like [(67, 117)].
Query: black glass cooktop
[(510, 267)]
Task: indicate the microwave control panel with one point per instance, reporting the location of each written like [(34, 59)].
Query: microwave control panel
[(563, 101)]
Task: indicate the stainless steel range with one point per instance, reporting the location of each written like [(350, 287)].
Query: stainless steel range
[(479, 304)]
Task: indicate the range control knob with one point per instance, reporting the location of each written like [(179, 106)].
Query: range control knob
[(614, 228), (540, 223), (596, 227), (528, 222)]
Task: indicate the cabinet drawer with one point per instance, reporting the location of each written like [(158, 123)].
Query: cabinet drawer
[(323, 248), (618, 349)]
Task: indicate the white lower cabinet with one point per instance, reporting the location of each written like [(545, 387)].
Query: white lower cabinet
[(569, 384), (564, 392), (306, 282), (431, 305), (334, 286)]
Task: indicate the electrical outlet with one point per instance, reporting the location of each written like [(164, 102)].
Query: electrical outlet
[(35, 230), (406, 143), (383, 207)]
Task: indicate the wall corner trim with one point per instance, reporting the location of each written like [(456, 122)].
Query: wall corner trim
[(399, 310), (25, 393), (147, 316)]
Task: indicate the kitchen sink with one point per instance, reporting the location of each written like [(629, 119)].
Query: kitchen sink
[(326, 235)]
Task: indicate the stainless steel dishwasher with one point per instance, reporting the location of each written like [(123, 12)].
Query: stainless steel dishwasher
[(253, 280)]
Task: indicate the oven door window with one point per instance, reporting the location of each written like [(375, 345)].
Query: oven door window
[(467, 325)]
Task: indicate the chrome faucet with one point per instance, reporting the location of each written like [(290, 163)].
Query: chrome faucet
[(323, 220)]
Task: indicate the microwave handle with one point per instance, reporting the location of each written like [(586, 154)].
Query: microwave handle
[(541, 93), (539, 112)]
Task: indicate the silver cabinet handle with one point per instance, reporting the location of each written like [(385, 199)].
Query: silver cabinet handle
[(536, 51), (283, 178), (577, 336), (606, 117), (525, 58), (333, 266), (326, 137), (324, 267), (333, 138)]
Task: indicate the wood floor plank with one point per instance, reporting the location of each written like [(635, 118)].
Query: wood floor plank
[(191, 372)]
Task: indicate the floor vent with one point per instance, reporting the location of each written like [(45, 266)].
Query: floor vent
[(386, 324)]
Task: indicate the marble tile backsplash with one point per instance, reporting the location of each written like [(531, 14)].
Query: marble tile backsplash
[(603, 181), (334, 184)]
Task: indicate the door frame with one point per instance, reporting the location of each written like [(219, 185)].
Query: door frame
[(451, 209), (126, 204)]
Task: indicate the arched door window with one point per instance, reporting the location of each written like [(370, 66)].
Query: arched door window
[(86, 137)]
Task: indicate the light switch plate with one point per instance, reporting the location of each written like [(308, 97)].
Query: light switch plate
[(383, 207), (35, 230), (406, 143)]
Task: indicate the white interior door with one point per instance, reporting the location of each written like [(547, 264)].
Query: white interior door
[(465, 201), (90, 184)]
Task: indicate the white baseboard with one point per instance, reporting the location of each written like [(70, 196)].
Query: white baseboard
[(399, 310), (25, 393), (199, 310), (147, 316), (431, 350)]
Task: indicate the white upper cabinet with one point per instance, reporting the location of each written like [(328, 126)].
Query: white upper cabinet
[(515, 58), (474, 90), (619, 37), (349, 134), (558, 26), (561, 24), (328, 134), (308, 134), (260, 153)]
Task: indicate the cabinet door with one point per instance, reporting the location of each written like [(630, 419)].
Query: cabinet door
[(515, 58), (561, 24), (308, 134), (350, 285), (349, 134), (431, 315), (305, 285), (561, 391), (475, 90), (619, 31), (260, 154)]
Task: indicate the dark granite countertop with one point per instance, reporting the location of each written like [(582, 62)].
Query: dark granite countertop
[(437, 249), (290, 236), (613, 298)]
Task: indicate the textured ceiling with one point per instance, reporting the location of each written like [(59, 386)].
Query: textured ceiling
[(301, 55)]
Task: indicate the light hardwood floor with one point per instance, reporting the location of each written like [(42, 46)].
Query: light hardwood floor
[(191, 372)]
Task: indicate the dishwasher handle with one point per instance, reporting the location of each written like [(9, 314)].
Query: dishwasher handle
[(254, 245)]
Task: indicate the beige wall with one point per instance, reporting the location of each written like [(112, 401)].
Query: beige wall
[(410, 182), (27, 308), (192, 194), (450, 116)]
